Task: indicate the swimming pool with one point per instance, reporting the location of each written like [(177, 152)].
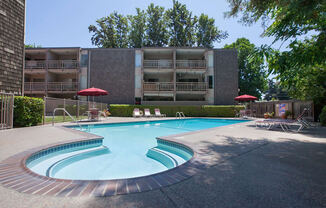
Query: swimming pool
[(128, 150)]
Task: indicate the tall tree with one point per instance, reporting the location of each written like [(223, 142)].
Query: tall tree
[(252, 73), (156, 28), (112, 31), (275, 92), (137, 29), (302, 68), (208, 33), (181, 25)]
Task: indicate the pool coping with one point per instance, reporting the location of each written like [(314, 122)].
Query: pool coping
[(15, 175)]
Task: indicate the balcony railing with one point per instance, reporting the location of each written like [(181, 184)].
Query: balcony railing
[(52, 64), (191, 86), (35, 64), (191, 64), (158, 86), (62, 86), (34, 86), (31, 87), (63, 64), (158, 64), (180, 86)]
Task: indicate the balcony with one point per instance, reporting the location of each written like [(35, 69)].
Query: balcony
[(158, 86), (180, 86), (191, 86), (52, 87), (191, 64), (35, 87), (65, 66), (154, 65)]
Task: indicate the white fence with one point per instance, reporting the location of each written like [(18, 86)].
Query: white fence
[(6, 110)]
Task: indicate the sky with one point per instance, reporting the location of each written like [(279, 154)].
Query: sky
[(64, 23)]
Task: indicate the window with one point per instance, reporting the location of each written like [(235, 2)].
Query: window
[(84, 60), (210, 82)]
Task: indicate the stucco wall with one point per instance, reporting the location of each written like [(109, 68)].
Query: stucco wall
[(225, 76), (12, 20), (113, 70)]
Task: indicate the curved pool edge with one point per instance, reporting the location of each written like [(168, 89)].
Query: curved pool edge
[(14, 174)]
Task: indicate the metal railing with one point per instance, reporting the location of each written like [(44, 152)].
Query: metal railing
[(179, 115), (64, 110), (62, 86), (158, 64), (158, 86), (191, 86), (63, 64), (34, 86), (35, 64), (191, 64), (30, 87), (52, 64), (180, 86), (6, 110)]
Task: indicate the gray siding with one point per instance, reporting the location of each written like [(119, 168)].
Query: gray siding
[(12, 20), (113, 70), (225, 76)]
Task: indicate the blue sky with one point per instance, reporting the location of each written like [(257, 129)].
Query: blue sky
[(64, 23)]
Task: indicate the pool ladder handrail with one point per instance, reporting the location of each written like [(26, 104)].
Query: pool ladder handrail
[(64, 110), (179, 115)]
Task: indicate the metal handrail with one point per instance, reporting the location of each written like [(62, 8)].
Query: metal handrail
[(64, 110), (179, 115)]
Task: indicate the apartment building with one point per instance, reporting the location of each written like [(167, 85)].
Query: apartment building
[(12, 29), (52, 72), (169, 76)]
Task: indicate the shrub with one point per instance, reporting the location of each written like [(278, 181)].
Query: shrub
[(190, 111), (322, 116), (27, 111)]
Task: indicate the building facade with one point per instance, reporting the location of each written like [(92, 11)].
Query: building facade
[(12, 29), (150, 76)]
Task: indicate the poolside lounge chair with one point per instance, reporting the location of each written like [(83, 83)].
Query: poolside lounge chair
[(158, 113), (136, 113), (285, 123), (147, 113), (94, 114)]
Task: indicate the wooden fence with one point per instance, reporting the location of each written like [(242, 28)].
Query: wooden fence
[(294, 106)]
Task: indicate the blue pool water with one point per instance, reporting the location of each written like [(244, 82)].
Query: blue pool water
[(127, 145)]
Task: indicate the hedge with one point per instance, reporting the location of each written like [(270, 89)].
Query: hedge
[(170, 111), (28, 111), (322, 116)]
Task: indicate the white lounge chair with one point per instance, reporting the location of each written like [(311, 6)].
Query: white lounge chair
[(136, 113), (147, 113), (158, 113)]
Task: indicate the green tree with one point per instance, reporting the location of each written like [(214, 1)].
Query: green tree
[(275, 92), (156, 28), (137, 29), (181, 25), (111, 31), (207, 33), (252, 73), (302, 68), (32, 46)]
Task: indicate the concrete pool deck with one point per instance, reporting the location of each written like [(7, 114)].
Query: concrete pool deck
[(249, 167)]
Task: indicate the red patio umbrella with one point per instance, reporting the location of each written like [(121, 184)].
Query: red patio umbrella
[(92, 92), (244, 98)]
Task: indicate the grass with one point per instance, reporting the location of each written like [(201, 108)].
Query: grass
[(59, 119)]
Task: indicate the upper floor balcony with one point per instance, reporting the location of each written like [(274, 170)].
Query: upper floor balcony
[(165, 64), (51, 87), (179, 86), (51, 65), (191, 64)]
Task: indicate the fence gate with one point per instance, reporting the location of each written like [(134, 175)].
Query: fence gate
[(6, 110)]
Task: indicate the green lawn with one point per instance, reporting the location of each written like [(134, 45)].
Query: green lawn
[(58, 119)]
